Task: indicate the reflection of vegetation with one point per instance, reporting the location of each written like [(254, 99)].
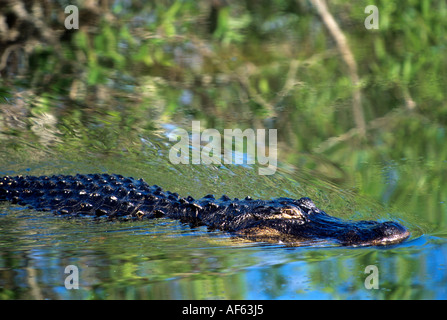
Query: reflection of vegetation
[(246, 60), (115, 266), (166, 261)]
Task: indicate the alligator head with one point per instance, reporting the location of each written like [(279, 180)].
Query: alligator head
[(297, 221)]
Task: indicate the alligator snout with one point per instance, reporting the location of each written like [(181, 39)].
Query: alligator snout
[(387, 233), (369, 233)]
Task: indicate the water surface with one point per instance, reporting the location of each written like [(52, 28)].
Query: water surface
[(164, 259)]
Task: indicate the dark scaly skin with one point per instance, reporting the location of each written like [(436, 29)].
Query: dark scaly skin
[(116, 197)]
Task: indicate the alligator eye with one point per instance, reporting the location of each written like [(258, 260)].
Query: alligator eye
[(291, 213)]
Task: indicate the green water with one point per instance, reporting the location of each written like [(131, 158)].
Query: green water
[(106, 97), (163, 259)]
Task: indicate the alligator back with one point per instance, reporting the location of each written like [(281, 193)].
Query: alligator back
[(113, 196)]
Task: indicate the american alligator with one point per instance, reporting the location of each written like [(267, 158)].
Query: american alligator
[(285, 220)]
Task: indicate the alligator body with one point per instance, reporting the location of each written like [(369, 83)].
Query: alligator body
[(107, 196)]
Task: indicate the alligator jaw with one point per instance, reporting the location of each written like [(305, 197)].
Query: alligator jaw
[(353, 234), (372, 233)]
